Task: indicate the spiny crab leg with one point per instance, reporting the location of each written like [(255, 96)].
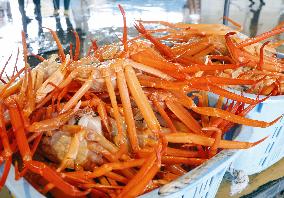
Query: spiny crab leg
[(209, 111), (140, 99), (79, 94), (164, 115), (120, 139), (206, 141), (71, 155), (52, 123), (35, 166), (107, 168), (149, 163), (56, 78), (7, 154), (127, 109), (184, 116)]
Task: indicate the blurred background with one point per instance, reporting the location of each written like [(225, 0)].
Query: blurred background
[(101, 19)]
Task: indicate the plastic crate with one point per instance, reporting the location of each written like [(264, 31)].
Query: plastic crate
[(271, 150), (267, 153), (20, 188), (201, 182)]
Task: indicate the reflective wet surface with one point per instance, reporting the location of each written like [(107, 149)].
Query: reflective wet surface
[(102, 20)]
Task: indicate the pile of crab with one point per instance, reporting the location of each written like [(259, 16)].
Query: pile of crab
[(119, 122)]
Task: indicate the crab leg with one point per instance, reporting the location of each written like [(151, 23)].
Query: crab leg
[(164, 115), (143, 183), (127, 109), (78, 95), (72, 152), (7, 154), (184, 116), (141, 99), (149, 163), (182, 160), (124, 28), (206, 141), (35, 166), (52, 123), (261, 37), (164, 50), (77, 49), (117, 116), (60, 48), (180, 153), (218, 135), (106, 168)]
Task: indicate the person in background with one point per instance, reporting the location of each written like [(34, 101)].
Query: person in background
[(56, 7), (37, 12)]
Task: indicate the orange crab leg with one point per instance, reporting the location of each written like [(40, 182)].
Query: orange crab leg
[(106, 168), (182, 160), (35, 166), (176, 169), (219, 81), (127, 109), (142, 173), (230, 95), (209, 111), (116, 113), (171, 25), (198, 67), (77, 49), (143, 183), (194, 85), (239, 27), (7, 154), (261, 55), (51, 176), (8, 88), (30, 106), (6, 171), (158, 63), (163, 49), (103, 115), (192, 50), (94, 45), (184, 116), (16, 62), (124, 28), (18, 129), (164, 116), (2, 71), (141, 99), (40, 58), (117, 177), (218, 135), (52, 123), (180, 152), (260, 37), (25, 49), (206, 141), (60, 48)]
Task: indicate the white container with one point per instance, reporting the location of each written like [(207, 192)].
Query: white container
[(267, 153), (202, 181), (271, 150)]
